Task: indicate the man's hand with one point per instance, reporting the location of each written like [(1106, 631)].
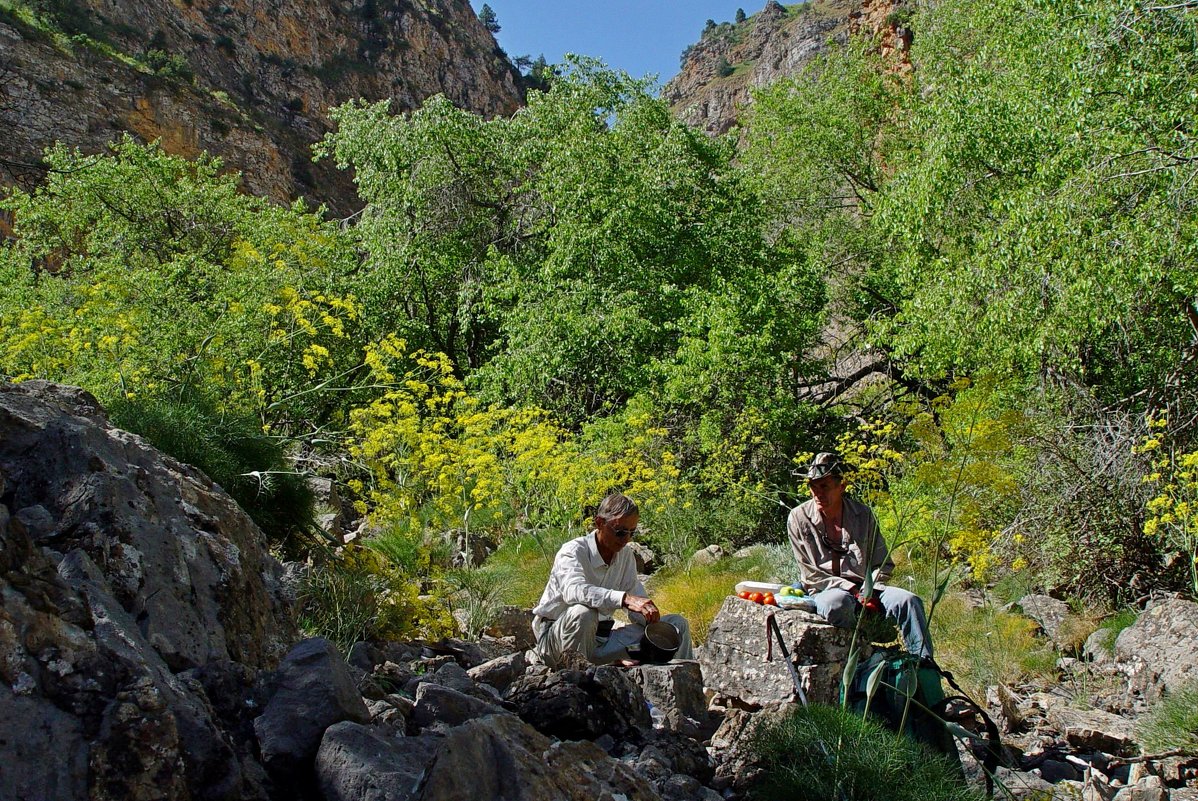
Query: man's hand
[(643, 606)]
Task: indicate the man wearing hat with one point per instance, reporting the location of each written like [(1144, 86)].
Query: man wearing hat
[(836, 542)]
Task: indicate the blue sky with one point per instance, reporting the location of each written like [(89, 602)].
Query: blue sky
[(638, 36)]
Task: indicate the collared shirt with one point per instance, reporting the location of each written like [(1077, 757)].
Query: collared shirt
[(859, 550), (580, 576)]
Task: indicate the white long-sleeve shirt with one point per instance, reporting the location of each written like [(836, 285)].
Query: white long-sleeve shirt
[(580, 576)]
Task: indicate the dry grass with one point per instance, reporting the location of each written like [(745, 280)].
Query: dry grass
[(698, 591)]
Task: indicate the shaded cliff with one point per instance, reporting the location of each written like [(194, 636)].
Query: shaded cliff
[(248, 80), (719, 71)]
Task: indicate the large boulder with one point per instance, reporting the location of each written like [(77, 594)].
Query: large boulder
[(581, 704), (363, 763), (737, 659), (120, 571), (1049, 613), (1159, 652), (315, 689), (673, 686), (501, 757)]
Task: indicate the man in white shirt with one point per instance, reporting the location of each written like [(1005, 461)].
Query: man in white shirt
[(593, 576)]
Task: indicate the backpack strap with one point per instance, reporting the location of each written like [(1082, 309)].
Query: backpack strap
[(993, 753)]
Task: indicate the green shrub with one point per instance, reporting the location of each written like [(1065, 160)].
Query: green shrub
[(355, 595), (479, 594), (830, 753), (1173, 722), (233, 452)]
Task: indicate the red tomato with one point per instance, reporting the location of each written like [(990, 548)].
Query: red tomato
[(755, 597), (768, 599), (744, 594)]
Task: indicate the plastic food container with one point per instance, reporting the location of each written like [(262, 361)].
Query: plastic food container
[(757, 586)]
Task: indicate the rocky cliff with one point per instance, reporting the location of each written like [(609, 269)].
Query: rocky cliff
[(719, 72), (248, 80)]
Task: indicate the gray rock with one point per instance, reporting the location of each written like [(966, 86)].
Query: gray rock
[(736, 766), (646, 559), (734, 657), (1095, 648), (1020, 785), (145, 571), (439, 704), (708, 556), (501, 671), (673, 686), (581, 704), (502, 757), (314, 690), (679, 788), (1159, 652), (1093, 730), (1150, 788), (1048, 612), (361, 763), (514, 622), (35, 522)]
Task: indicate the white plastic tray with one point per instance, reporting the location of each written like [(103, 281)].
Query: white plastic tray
[(757, 586)]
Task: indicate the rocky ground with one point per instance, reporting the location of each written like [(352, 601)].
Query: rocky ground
[(148, 651)]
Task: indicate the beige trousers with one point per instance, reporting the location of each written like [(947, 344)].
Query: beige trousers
[(576, 630)]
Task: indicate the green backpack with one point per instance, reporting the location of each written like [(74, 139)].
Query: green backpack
[(903, 677)]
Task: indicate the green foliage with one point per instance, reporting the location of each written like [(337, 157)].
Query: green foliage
[(1172, 723), (355, 595), (584, 253), (826, 752), (723, 68), (139, 274), (486, 15), (232, 450), (172, 66), (478, 594)]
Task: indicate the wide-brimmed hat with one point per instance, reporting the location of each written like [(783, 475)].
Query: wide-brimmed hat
[(822, 464)]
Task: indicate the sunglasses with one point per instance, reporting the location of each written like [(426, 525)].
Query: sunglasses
[(624, 533)]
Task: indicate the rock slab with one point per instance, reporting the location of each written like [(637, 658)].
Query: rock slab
[(734, 658)]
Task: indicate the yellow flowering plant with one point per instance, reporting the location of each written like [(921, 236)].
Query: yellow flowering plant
[(1171, 515)]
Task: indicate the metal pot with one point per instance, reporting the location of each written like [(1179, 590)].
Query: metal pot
[(659, 643)]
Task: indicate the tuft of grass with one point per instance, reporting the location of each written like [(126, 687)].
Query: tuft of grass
[(829, 752), (524, 561), (697, 591), (232, 450), (987, 646), (1114, 625), (1172, 724), (478, 593)]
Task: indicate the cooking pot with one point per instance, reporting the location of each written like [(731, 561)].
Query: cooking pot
[(659, 643)]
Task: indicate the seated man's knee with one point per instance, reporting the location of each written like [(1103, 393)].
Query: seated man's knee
[(837, 606), (678, 622), (896, 597), (580, 618)]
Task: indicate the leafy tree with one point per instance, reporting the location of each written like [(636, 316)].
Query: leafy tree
[(723, 68), (486, 16), (589, 251), (740, 15), (140, 274)]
